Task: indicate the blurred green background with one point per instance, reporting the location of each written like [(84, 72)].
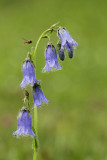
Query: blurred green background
[(74, 124)]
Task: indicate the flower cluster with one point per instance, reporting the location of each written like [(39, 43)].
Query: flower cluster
[(28, 68), (66, 43), (29, 78)]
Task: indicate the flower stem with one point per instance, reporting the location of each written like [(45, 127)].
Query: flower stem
[(35, 118), (42, 35), (40, 39), (35, 128), (35, 155)]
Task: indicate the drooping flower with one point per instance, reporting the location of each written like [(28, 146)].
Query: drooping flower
[(28, 73), (66, 41), (51, 58), (60, 52), (38, 95), (24, 123)]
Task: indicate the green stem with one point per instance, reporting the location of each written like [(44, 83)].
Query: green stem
[(35, 119), (40, 39), (46, 31), (36, 132), (35, 155)]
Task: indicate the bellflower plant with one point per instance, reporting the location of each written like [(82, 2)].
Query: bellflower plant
[(24, 118)]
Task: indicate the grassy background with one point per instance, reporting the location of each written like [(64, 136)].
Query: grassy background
[(74, 124)]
